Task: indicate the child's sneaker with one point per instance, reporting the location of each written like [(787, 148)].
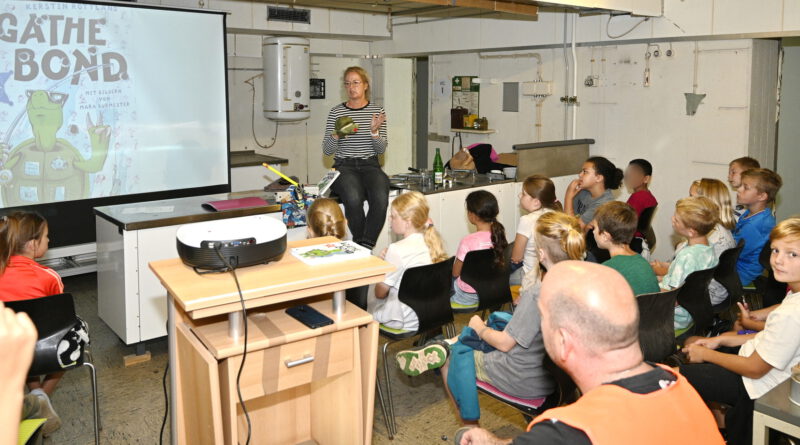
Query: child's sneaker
[(46, 411), (417, 360)]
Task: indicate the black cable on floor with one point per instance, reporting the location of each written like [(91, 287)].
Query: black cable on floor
[(166, 405), (232, 269)]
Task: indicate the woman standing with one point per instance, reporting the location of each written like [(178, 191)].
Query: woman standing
[(355, 135)]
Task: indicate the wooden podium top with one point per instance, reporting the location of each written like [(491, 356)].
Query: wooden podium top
[(288, 279)]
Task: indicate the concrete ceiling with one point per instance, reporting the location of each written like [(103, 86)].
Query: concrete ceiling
[(511, 9)]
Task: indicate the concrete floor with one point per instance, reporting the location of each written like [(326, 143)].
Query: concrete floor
[(132, 398)]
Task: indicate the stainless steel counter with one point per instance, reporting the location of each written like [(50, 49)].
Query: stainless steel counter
[(170, 212)]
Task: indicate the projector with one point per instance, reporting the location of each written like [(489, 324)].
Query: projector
[(241, 242)]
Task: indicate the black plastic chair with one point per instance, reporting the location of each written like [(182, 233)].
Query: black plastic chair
[(565, 393), (597, 254), (644, 226), (693, 296), (426, 290), (772, 291), (488, 280), (656, 326), (725, 274), (54, 317)]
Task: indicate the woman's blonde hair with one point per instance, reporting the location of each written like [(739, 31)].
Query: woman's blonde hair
[(717, 191), (413, 208), (788, 228), (362, 73), (698, 213), (560, 236), (325, 218)]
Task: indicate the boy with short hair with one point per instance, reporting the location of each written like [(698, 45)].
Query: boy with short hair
[(735, 170), (637, 178), (614, 225), (756, 193), (739, 166)]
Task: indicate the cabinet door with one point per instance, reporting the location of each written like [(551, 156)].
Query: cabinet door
[(454, 224), (507, 202), (197, 398)]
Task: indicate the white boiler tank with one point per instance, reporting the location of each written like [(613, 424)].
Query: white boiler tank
[(286, 78)]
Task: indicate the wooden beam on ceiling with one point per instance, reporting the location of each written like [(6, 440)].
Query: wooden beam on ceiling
[(492, 5)]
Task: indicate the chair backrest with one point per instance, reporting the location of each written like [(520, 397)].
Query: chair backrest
[(772, 291), (725, 274), (656, 327), (488, 280), (54, 316), (693, 296), (566, 390), (50, 314), (426, 290), (646, 219), (600, 255)]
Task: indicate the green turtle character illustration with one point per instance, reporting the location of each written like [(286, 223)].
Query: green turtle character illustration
[(47, 168), (320, 253)]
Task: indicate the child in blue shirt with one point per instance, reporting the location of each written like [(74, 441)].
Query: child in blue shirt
[(757, 194)]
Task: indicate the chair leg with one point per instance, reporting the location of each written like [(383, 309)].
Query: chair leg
[(383, 409), (389, 388), (96, 405)]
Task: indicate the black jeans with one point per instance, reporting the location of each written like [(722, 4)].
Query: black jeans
[(363, 180), (716, 384)]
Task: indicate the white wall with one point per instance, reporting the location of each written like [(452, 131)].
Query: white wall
[(626, 119), (788, 156)]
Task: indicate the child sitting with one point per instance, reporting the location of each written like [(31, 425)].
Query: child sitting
[(614, 224), (325, 218), (637, 178), (694, 218), (23, 238), (735, 170), (482, 211), (513, 362), (737, 369), (756, 193), (538, 197), (421, 245), (598, 176)]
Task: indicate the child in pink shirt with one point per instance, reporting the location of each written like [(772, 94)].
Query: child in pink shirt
[(482, 211)]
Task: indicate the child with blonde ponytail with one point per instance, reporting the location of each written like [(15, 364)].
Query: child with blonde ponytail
[(325, 218), (558, 237), (421, 245)]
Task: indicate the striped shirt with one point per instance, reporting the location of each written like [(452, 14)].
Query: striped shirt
[(360, 144), (25, 279)]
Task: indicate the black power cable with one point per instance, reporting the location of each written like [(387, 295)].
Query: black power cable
[(232, 269), (166, 405)]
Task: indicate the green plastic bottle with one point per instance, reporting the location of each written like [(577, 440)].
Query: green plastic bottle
[(438, 168)]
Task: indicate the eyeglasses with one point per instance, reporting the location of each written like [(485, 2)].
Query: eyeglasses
[(53, 97), (354, 83)]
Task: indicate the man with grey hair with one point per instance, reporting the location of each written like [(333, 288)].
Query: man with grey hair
[(590, 324)]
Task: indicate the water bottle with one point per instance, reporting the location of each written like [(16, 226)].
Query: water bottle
[(438, 168)]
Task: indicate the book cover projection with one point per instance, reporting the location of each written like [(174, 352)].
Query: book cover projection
[(75, 117)]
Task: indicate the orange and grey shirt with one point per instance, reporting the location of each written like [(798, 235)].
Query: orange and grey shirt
[(25, 279)]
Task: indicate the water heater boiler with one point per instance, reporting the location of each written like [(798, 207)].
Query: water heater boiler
[(286, 78)]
